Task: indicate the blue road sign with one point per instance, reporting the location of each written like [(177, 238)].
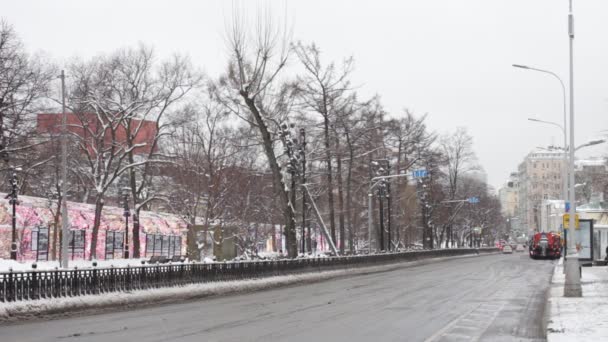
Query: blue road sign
[(473, 200), (567, 207), (419, 173)]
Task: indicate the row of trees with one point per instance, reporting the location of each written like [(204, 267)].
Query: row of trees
[(227, 154)]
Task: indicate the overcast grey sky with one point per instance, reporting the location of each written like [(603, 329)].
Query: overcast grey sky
[(450, 59)]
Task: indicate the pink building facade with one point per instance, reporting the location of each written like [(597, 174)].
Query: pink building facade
[(161, 234)]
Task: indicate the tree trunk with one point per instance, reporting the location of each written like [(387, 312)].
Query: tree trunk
[(292, 199), (192, 251), (135, 235), (56, 229), (330, 186), (274, 235), (381, 227), (134, 193), (96, 223), (277, 178), (218, 242), (398, 223)]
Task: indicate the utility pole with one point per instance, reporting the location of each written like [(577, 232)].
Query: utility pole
[(64, 172)]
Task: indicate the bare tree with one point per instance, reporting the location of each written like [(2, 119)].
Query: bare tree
[(144, 93), (323, 90), (24, 87), (458, 151), (99, 131), (206, 157), (253, 91), (407, 137)]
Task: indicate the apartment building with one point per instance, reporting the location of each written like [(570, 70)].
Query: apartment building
[(540, 178)]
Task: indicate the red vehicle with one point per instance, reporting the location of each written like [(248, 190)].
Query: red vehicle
[(545, 246)]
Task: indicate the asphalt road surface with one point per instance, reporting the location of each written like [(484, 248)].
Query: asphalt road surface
[(486, 298)]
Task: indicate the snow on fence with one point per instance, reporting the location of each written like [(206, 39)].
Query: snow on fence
[(31, 285)]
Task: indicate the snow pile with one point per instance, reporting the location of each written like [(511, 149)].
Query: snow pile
[(5, 264), (23, 310), (579, 319)]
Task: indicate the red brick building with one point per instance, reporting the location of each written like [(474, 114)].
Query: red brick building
[(50, 123)]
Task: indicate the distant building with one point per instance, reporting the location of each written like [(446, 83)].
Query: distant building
[(508, 195), (144, 131), (540, 178)]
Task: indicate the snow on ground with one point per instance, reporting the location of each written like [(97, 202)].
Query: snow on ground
[(22, 310), (579, 319), (5, 264)]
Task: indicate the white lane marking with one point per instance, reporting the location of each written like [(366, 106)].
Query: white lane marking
[(440, 332)]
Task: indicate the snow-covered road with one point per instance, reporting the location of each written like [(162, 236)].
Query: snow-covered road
[(488, 298)]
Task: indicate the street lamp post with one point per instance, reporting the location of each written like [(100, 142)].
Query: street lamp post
[(64, 172), (305, 239), (381, 203), (572, 284), (388, 206), (563, 128), (127, 213), (382, 169), (13, 202), (372, 185), (590, 143)]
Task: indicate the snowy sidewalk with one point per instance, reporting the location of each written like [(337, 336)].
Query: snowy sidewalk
[(579, 319)]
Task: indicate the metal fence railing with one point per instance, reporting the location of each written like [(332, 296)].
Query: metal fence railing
[(37, 284)]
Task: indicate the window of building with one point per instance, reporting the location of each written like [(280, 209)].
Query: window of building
[(114, 244), (40, 242), (34, 240), (167, 245), (77, 242), (149, 244)]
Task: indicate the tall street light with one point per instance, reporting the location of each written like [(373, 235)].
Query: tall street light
[(374, 182), (64, 172), (13, 201), (565, 167), (127, 213), (572, 284), (525, 67), (565, 162), (590, 143)]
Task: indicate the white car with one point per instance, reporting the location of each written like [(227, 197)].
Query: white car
[(507, 249), (519, 248)]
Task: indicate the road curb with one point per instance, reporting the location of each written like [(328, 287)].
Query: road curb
[(549, 325), (93, 304)]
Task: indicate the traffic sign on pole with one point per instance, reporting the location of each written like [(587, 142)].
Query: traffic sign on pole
[(473, 200), (419, 173), (566, 222)]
